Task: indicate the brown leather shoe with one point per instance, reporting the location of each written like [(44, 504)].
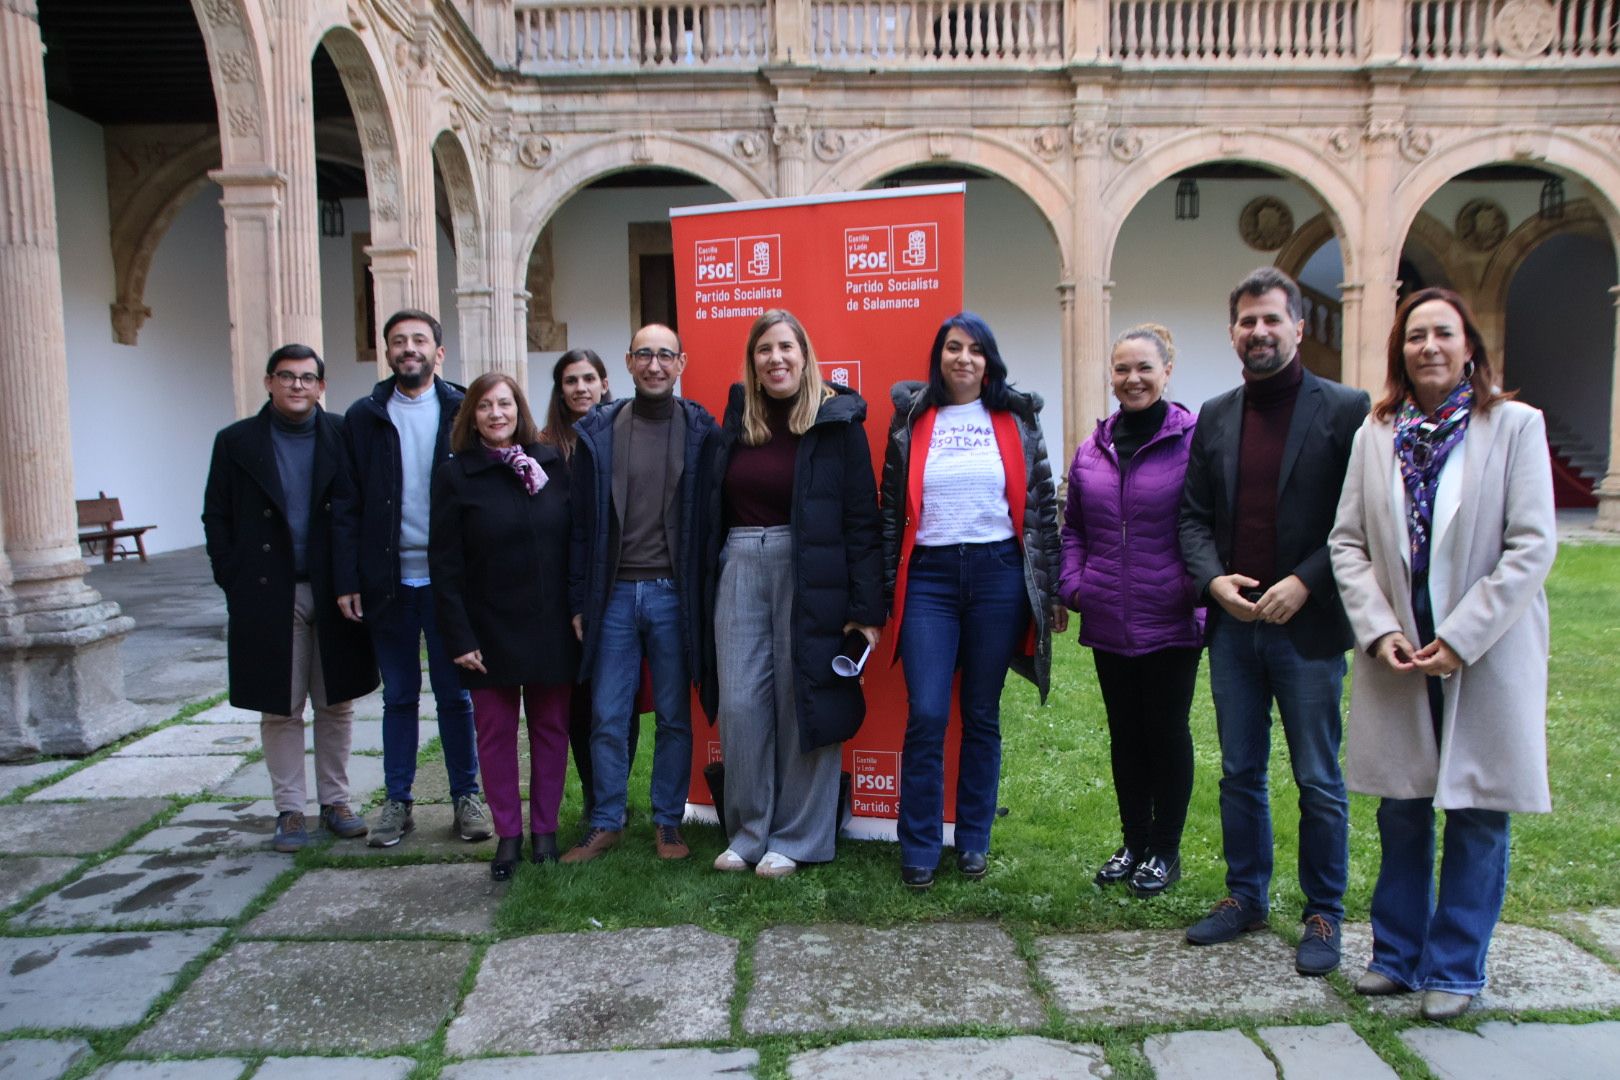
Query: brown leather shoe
[(592, 844), (669, 842)]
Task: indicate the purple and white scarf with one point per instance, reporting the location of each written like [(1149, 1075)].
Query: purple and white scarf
[(528, 470), (1422, 444)]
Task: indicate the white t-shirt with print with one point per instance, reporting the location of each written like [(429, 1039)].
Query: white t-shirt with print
[(964, 483)]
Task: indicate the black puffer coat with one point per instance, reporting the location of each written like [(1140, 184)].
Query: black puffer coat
[(499, 560), (1037, 533), (837, 567)]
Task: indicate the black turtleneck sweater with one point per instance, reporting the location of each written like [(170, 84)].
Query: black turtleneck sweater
[(294, 443), (1268, 409), (1133, 430)]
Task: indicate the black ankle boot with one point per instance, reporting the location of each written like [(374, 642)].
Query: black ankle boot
[(508, 849), (542, 847)]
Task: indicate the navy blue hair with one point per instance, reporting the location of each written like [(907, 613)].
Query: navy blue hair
[(994, 394)]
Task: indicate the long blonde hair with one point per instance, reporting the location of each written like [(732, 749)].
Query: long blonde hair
[(812, 391)]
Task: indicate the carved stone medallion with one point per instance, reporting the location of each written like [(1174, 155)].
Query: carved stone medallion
[(830, 145), (1048, 142), (749, 146), (1266, 223), (1482, 224), (1525, 28), (1125, 143), (534, 150)]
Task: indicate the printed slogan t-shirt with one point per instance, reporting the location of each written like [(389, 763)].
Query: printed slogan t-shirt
[(964, 483)]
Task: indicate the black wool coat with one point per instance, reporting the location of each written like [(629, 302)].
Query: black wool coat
[(249, 545), (499, 561), (837, 563)]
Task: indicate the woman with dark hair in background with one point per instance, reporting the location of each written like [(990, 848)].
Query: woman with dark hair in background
[(971, 556), (579, 381), (795, 506), (1444, 537), (498, 551)]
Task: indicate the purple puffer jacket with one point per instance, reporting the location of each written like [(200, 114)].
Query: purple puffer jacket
[(1122, 567)]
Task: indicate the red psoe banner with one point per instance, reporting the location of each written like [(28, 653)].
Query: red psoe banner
[(871, 275)]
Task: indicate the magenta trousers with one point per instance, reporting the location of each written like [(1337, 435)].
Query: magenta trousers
[(495, 715)]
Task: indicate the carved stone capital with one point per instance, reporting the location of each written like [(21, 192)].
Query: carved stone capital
[(1088, 137), (790, 136), (1383, 130), (498, 144)]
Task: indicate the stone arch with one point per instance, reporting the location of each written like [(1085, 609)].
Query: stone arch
[(1294, 157), (1557, 151), (999, 157), (375, 119), (1580, 217), (454, 159), (1293, 255), (140, 222), (1440, 243), (551, 185), (237, 62)]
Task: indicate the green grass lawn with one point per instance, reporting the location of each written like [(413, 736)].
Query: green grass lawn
[(1061, 819)]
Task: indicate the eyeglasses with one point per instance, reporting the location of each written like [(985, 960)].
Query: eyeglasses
[(644, 357), (307, 379)]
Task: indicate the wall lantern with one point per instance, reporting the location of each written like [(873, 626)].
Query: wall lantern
[(331, 217), (1187, 200), (1552, 199)]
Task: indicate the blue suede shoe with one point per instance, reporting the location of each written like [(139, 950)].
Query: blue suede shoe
[(1318, 951), (291, 833), (1228, 919)]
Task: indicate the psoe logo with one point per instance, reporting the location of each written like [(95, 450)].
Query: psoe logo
[(876, 788), (866, 251), (760, 258), (715, 262), (845, 373), (916, 247)]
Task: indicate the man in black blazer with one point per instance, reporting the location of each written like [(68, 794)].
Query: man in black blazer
[(1263, 479), (267, 517)]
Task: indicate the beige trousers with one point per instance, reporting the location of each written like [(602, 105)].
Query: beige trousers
[(283, 736)]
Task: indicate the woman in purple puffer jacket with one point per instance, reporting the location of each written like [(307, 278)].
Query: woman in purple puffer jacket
[(1122, 571)]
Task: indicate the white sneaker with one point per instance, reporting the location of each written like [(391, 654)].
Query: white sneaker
[(775, 864), (729, 860)]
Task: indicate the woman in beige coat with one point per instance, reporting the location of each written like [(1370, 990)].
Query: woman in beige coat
[(1445, 534)]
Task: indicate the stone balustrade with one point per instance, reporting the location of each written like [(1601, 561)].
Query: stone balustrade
[(558, 36)]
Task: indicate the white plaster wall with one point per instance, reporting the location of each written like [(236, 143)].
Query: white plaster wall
[(142, 417), (1011, 279), (1179, 273), (1560, 334)]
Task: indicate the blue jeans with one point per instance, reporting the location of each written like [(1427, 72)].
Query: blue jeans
[(641, 617), (965, 608), (1417, 942), (1251, 665), (396, 636)]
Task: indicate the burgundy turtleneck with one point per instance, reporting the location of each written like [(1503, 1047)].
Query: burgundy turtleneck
[(1268, 409), (759, 479)]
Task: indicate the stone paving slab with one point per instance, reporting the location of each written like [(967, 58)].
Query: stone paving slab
[(224, 713), (833, 976), (1200, 1055), (92, 980), (327, 1068), (1024, 1057), (1601, 925), (454, 898), (1528, 968), (311, 996), (190, 740), (1499, 1051), (40, 1059), (162, 889), (365, 736), (22, 874), (212, 826), (431, 838), (595, 991), (1327, 1052), (13, 777), (253, 781), (73, 828), (1151, 976), (195, 1069), (142, 776), (621, 1065)]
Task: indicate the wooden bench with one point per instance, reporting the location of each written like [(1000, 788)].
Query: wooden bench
[(98, 525)]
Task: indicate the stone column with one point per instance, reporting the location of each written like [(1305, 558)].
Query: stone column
[(61, 677), (1088, 314), (1608, 492), (252, 204), (520, 335), (293, 105), (416, 157), (508, 345), (1378, 248), (475, 312), (392, 270), (1352, 341)]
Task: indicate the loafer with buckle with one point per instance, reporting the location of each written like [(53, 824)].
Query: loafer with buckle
[(972, 864), (1229, 919), (1444, 1005), (1153, 875), (669, 843), (917, 877), (593, 843), (1318, 951), (1119, 867)]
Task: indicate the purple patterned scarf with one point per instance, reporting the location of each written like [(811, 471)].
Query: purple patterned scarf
[(1422, 444), (528, 470)]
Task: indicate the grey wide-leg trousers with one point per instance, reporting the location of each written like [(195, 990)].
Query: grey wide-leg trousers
[(777, 798)]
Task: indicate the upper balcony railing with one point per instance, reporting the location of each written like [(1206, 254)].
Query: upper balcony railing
[(558, 36)]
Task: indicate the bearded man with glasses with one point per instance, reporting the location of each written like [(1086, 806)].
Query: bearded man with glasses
[(267, 516), (634, 581)]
